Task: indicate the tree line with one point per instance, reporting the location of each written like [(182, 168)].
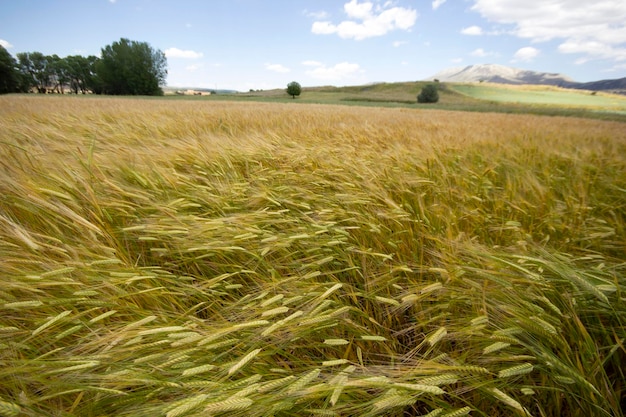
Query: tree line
[(123, 68)]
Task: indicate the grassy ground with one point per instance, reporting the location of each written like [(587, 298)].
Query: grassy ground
[(481, 98), (193, 258)]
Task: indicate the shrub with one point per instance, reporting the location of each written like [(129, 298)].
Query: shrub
[(428, 94)]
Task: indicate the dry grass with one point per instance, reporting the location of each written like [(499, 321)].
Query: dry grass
[(214, 258)]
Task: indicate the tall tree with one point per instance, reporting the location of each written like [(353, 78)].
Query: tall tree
[(58, 69), (34, 66), (26, 70), (9, 75), (133, 68), (82, 73)]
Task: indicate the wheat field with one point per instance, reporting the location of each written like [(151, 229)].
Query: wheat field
[(186, 258)]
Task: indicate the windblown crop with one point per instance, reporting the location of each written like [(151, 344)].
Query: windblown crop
[(214, 258)]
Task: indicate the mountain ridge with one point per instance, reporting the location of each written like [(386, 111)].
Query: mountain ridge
[(508, 75)]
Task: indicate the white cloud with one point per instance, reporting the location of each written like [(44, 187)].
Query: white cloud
[(277, 68), (366, 21), (437, 3), (592, 49), (112, 1), (323, 28), (316, 15), (358, 11), (456, 60), (337, 72), (472, 30), (5, 44), (594, 29), (179, 53), (526, 54), (480, 52), (193, 67), (398, 44)]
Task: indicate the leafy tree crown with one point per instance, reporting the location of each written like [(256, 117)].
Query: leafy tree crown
[(429, 94), (294, 89), (131, 67), (9, 75)]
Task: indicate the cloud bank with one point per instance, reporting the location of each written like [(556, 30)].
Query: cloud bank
[(365, 20), (594, 29)]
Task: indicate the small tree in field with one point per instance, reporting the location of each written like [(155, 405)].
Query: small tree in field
[(294, 89), (428, 94)]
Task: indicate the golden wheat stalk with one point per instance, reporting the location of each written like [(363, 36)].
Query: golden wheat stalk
[(243, 361)]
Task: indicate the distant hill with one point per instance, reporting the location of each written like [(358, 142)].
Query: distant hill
[(618, 85), (506, 75)]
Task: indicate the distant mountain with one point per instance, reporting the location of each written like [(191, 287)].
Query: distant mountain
[(506, 75), (500, 74), (618, 85)]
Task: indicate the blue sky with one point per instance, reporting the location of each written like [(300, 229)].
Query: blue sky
[(261, 44)]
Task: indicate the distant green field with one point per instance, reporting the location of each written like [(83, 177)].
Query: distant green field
[(547, 96)]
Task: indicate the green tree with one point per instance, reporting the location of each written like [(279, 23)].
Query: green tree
[(58, 69), (26, 69), (82, 74), (294, 89), (133, 68), (91, 79), (429, 94), (34, 67), (9, 74)]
